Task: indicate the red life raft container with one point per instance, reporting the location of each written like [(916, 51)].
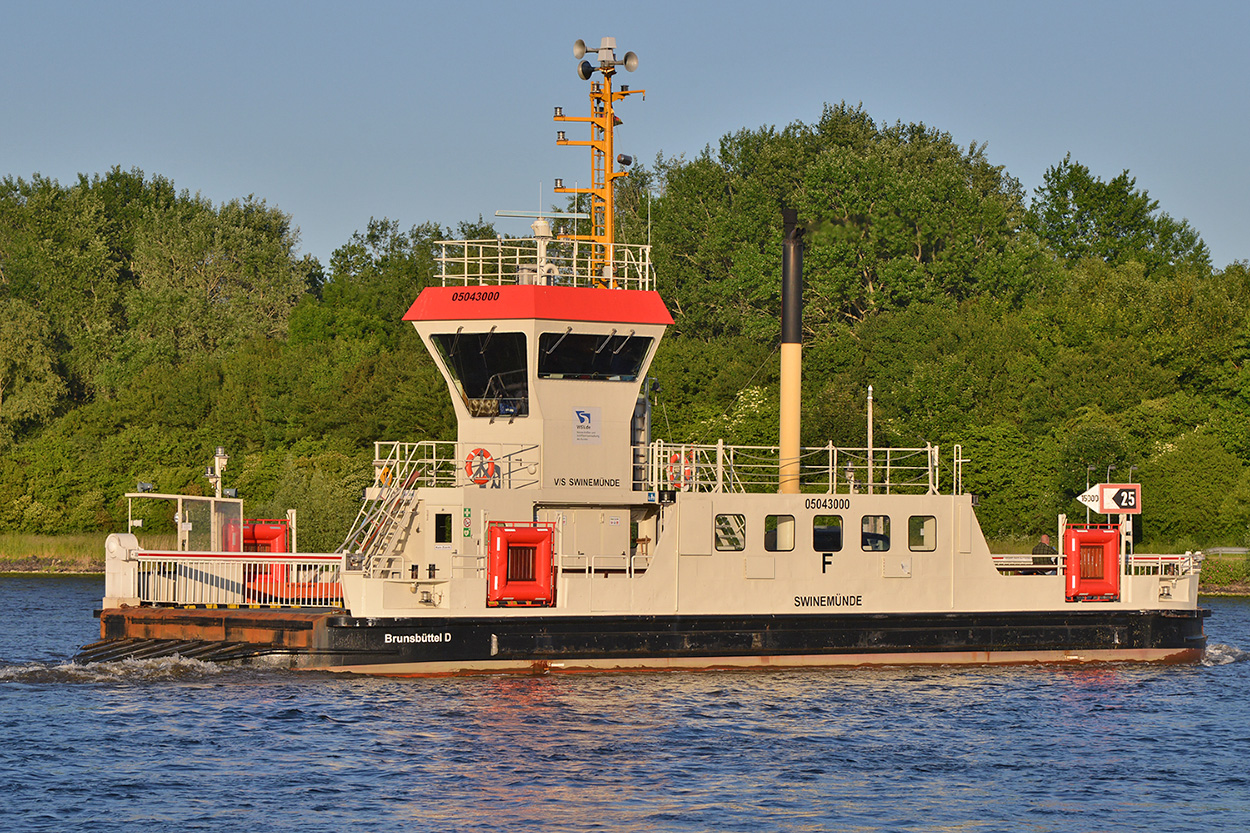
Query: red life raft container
[(272, 582), (519, 565), (265, 536), (1092, 563), (274, 586)]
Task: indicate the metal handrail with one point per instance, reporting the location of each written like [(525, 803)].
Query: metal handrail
[(437, 463), (1177, 564), (545, 262), (213, 579), (717, 467), (1168, 564), (735, 468)]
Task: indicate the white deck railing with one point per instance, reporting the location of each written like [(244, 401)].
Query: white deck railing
[(229, 579), (1175, 564), (827, 469), (1133, 564), (674, 466), (544, 262), (448, 464)]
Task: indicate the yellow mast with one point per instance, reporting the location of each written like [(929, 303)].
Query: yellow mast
[(602, 175)]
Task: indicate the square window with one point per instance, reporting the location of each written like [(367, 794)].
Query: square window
[(827, 533), (779, 533), (875, 535), (730, 532), (922, 533)]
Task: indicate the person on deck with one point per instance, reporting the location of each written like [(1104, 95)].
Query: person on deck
[(1041, 559)]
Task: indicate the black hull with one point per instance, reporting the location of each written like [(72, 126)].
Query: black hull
[(536, 643)]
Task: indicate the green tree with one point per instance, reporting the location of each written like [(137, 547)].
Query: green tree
[(1014, 475), (324, 487), (210, 278), (54, 256), (373, 279), (1185, 487), (912, 219), (1088, 445), (896, 215), (30, 388), (1079, 215)]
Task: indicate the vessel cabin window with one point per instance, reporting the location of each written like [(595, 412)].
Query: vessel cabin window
[(922, 533), (779, 533), (827, 533), (730, 532), (604, 357), (442, 527), (489, 370), (875, 533)]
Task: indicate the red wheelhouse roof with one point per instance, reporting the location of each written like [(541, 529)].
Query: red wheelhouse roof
[(560, 303)]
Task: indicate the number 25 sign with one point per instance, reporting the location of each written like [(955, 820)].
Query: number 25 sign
[(1114, 498)]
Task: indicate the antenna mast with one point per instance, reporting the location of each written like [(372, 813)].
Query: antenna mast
[(602, 175)]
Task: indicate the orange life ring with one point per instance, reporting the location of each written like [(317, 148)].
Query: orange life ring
[(681, 469), (480, 466)]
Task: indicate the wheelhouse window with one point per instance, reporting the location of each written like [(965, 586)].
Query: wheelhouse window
[(489, 370), (827, 533), (606, 357)]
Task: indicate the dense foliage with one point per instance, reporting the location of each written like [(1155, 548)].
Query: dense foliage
[(1054, 335)]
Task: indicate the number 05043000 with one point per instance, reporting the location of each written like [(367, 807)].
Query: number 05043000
[(827, 503)]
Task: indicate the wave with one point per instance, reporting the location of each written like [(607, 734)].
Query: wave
[(141, 670), (1224, 655)]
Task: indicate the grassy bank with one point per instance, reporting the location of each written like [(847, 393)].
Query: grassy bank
[(81, 552), (78, 553), (1226, 573)]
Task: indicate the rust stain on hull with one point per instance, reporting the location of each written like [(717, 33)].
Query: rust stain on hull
[(281, 628)]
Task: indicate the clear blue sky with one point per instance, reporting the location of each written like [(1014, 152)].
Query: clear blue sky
[(337, 112)]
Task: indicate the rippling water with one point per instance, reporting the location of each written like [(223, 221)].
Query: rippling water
[(186, 745)]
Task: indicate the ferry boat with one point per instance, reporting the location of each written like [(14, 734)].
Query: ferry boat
[(556, 534)]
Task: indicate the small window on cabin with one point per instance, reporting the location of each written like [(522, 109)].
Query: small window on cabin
[(442, 527), (827, 533), (779, 533), (922, 533), (875, 535), (489, 370), (609, 357), (730, 533)]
